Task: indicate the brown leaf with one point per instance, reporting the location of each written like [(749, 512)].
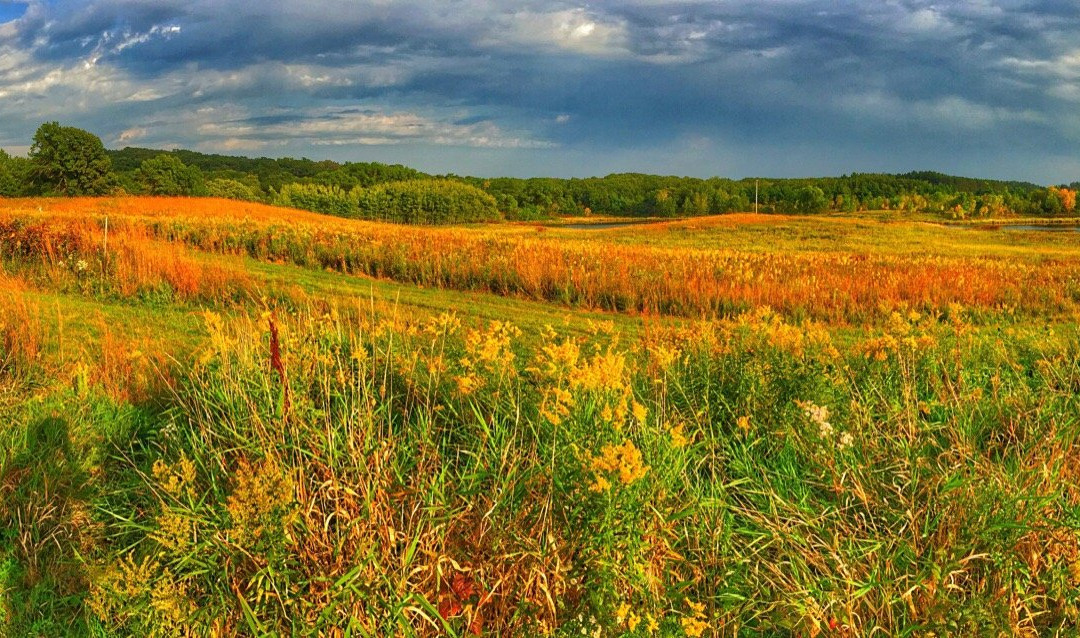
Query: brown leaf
[(449, 608)]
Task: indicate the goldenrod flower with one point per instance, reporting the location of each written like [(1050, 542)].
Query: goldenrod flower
[(651, 624), (624, 459), (694, 627), (678, 439)]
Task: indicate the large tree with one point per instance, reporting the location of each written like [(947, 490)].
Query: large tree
[(167, 175), (811, 200), (69, 161)]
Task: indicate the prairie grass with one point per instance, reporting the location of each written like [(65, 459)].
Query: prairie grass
[(392, 477), (321, 464), (21, 334), (78, 256), (862, 275)]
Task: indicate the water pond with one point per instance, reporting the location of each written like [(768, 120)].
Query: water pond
[(598, 225), (1055, 228)]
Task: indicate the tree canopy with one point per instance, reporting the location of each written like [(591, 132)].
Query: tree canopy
[(167, 175), (417, 201), (69, 161)]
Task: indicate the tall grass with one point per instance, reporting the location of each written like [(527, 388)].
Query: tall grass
[(21, 333), (81, 257), (839, 286), (394, 478)]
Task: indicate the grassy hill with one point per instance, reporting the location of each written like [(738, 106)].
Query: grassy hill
[(225, 418)]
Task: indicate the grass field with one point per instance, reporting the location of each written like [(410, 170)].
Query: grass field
[(220, 418)]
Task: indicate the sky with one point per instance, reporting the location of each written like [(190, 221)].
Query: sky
[(733, 88)]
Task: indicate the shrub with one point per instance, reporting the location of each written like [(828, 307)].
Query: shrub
[(426, 202), (230, 189), (331, 200), (167, 175), (420, 201)]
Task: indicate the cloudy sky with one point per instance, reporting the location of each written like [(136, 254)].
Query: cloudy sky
[(522, 87)]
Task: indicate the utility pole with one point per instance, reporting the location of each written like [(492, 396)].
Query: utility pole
[(755, 197)]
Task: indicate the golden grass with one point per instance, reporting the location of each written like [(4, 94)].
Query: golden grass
[(653, 269)]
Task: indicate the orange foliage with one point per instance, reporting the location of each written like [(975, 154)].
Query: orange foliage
[(125, 371), (21, 333), (837, 285), (128, 258), (1067, 197)]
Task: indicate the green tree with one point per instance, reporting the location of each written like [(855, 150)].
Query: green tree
[(664, 203), (229, 189), (321, 198), (14, 173), (696, 203), (425, 201), (69, 161), (167, 175), (810, 200)]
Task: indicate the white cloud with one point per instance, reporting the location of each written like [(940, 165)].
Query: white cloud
[(107, 43), (336, 127), (572, 30), (943, 113), (18, 150), (927, 22), (233, 144), (131, 134), (1063, 67)]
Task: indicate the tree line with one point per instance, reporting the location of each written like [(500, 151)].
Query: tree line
[(69, 161)]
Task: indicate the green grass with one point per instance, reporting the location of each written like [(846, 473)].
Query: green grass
[(423, 302)]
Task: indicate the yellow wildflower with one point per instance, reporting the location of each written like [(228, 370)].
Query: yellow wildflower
[(678, 438), (694, 627), (651, 624), (263, 499), (175, 479), (467, 383), (174, 531), (170, 600), (624, 459), (606, 413), (664, 356)]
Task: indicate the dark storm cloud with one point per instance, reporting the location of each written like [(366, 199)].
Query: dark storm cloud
[(736, 87)]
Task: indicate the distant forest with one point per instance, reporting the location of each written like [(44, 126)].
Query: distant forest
[(69, 161), (636, 194)]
